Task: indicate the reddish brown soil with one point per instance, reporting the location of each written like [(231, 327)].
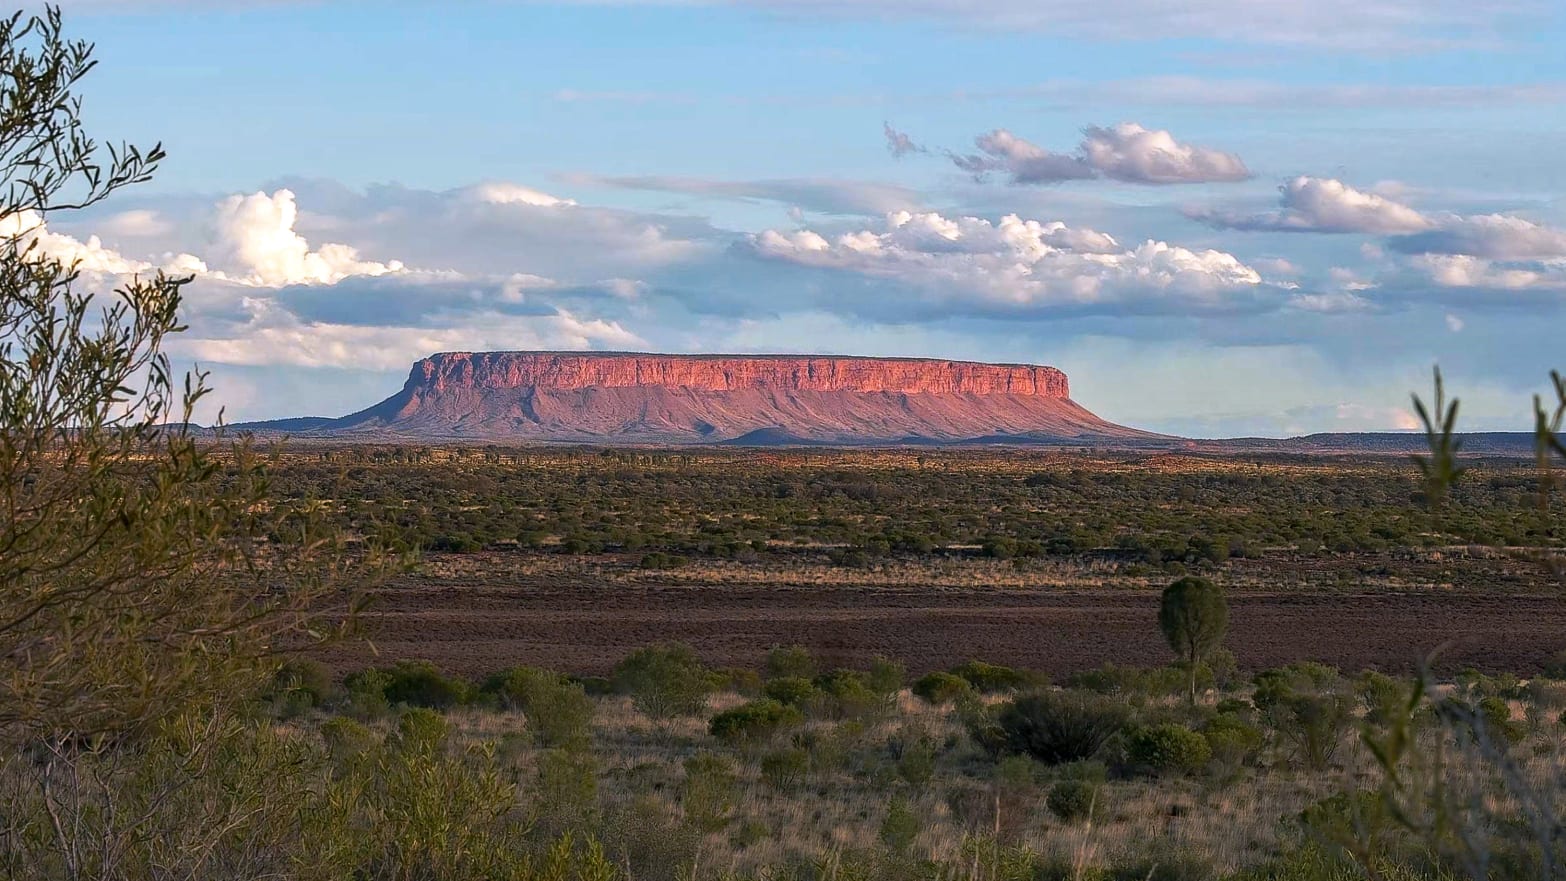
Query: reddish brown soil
[(586, 626)]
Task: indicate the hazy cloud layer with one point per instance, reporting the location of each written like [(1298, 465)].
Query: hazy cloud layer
[(819, 195)]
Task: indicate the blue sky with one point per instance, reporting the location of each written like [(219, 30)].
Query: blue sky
[(1232, 218)]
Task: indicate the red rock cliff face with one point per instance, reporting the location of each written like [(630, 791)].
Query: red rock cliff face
[(578, 396), (567, 371)]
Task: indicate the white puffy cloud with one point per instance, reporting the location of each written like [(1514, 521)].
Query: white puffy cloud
[(1325, 205), (28, 229), (256, 244), (1468, 271), (506, 193), (1129, 152), (1491, 236), (1124, 152), (1018, 264)]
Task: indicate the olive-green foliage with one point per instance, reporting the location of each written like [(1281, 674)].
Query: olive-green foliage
[(565, 790), (790, 690), (1060, 726), (1125, 680), (885, 677), (1309, 708), (941, 688), (1233, 741), (900, 827), (845, 695), (559, 712), (753, 722), (791, 661), (785, 769), (414, 683), (992, 678), (1194, 617), (1168, 749), (1073, 800), (147, 567), (665, 680), (916, 761), (709, 792)]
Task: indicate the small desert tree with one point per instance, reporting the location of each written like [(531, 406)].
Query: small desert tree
[(1194, 617), (146, 578)]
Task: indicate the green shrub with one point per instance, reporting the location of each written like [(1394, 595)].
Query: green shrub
[(991, 678), (786, 768), (665, 680), (1308, 708), (941, 688), (791, 661), (1056, 726), (900, 828), (566, 790), (1168, 749), (559, 712), (846, 695), (300, 684), (790, 690), (1073, 800), (916, 762), (709, 792), (413, 683), (1233, 741), (660, 561), (885, 677), (753, 722)]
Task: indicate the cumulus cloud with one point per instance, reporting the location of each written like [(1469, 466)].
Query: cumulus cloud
[(1025, 265), (1468, 271), (1491, 236), (28, 229), (1324, 205), (1125, 152), (256, 244)]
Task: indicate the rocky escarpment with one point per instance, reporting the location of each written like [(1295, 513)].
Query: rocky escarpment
[(583, 396)]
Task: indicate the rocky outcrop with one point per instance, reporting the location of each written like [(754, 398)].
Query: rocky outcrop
[(581, 396)]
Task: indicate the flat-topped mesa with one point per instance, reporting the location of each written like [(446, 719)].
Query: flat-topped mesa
[(567, 371)]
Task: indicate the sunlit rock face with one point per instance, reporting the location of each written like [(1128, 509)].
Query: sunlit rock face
[(706, 398)]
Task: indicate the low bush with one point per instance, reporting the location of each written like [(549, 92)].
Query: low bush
[(1233, 741), (559, 712), (786, 768), (941, 688), (1073, 800), (411, 683), (790, 690), (665, 680), (790, 661), (1168, 749), (1060, 726), (753, 722), (992, 678)]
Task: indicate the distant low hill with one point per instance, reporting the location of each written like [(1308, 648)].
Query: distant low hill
[(777, 400)]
